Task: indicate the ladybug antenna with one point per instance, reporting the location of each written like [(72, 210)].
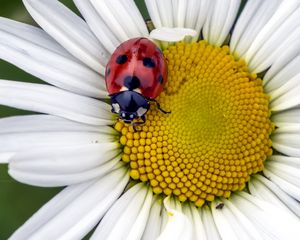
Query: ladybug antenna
[(136, 124), (158, 106)]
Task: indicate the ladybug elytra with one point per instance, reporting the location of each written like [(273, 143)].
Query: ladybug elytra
[(135, 75)]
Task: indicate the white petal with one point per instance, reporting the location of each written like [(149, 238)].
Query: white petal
[(165, 215), (205, 8), (220, 21), (292, 161), (31, 34), (259, 190), (232, 223), (51, 100), (34, 51), (137, 19), (173, 34), (17, 142), (211, 230), (4, 157), (286, 140), (102, 31), (264, 189), (127, 218), (277, 46), (122, 17), (193, 215), (286, 171), (178, 225), (35, 131), (75, 210), (283, 68), (286, 118), (286, 149), (270, 36), (70, 31), (164, 218), (254, 16), (165, 10), (179, 13), (270, 220), (287, 75), (286, 186), (287, 100), (284, 88), (152, 229), (64, 160), (157, 18), (223, 223), (61, 166), (47, 123), (245, 225)]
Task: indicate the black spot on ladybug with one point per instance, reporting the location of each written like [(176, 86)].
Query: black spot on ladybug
[(121, 59), (160, 79), (108, 72), (132, 82), (148, 62)]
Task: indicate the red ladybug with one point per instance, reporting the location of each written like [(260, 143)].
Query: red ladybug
[(135, 75)]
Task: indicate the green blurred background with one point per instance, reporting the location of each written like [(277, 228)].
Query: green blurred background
[(19, 201)]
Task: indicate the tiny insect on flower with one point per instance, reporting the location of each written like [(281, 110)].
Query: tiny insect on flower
[(220, 205)]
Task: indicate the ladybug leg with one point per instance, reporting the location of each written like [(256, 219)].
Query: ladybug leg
[(136, 124), (143, 119), (158, 106)]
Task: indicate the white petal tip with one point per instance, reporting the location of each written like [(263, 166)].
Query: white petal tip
[(5, 157), (173, 34)]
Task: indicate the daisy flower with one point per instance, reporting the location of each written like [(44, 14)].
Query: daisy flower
[(225, 164)]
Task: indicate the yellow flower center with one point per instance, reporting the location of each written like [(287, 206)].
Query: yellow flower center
[(217, 134)]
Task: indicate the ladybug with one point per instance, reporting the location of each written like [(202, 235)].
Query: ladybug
[(135, 75)]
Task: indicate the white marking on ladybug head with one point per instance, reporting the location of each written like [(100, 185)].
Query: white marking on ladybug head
[(138, 90), (123, 89), (141, 111), (116, 107)]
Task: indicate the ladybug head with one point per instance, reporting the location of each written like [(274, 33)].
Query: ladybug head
[(129, 105)]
